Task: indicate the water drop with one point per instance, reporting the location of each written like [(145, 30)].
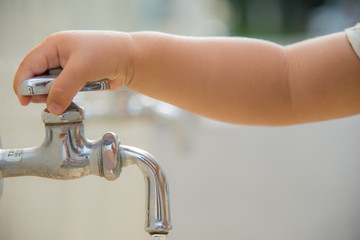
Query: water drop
[(158, 237)]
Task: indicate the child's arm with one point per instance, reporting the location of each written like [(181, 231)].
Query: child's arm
[(237, 80)]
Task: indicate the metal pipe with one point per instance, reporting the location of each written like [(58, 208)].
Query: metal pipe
[(156, 189)]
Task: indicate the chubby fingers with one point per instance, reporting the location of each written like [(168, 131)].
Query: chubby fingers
[(85, 56), (37, 61), (53, 52), (64, 88)]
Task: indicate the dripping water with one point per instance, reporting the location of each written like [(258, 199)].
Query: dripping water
[(158, 237)]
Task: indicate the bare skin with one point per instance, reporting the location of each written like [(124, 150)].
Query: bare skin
[(237, 80)]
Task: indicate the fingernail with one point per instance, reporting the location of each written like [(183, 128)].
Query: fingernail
[(55, 109)]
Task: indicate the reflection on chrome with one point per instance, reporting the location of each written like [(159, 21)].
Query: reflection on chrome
[(67, 154)]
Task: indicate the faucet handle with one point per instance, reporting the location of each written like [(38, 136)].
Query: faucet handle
[(41, 85)]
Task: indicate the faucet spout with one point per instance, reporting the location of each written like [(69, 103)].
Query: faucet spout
[(156, 189), (67, 154)]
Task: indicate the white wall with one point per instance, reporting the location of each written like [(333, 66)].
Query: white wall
[(226, 181)]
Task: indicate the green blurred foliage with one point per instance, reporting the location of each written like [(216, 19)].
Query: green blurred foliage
[(252, 17)]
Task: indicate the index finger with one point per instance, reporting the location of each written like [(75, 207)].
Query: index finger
[(37, 61)]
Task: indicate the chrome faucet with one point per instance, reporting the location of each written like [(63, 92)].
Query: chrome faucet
[(67, 154)]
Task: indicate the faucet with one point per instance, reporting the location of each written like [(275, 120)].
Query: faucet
[(67, 154)]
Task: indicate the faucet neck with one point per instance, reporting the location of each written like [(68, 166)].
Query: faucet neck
[(72, 114)]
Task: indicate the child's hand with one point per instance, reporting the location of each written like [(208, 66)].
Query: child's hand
[(237, 80), (86, 56)]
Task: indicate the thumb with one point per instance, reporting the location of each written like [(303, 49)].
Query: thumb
[(64, 88)]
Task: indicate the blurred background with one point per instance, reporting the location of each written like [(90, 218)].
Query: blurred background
[(226, 181)]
